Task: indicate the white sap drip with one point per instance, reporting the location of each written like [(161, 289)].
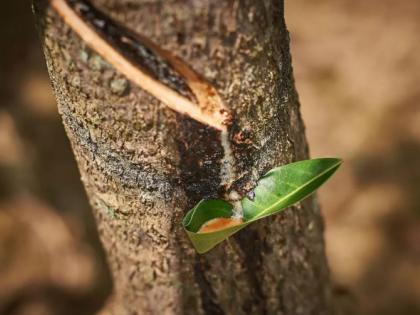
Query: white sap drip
[(228, 174)]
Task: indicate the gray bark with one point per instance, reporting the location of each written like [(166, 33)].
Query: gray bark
[(142, 178)]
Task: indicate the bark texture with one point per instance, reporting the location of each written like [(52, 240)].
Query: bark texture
[(145, 166)]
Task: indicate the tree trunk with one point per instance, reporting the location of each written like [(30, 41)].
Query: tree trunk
[(144, 165)]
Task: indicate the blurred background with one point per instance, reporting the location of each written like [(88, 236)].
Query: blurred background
[(357, 70)]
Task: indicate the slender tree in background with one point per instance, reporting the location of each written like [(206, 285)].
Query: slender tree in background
[(145, 163)]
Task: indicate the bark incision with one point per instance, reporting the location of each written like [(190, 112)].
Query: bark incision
[(144, 166)]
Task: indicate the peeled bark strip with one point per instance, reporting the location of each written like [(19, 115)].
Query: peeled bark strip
[(144, 165)]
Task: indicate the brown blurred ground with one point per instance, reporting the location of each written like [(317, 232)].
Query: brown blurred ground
[(357, 69), (51, 261)]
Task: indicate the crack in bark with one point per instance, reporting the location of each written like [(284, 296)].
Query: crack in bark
[(250, 244), (208, 297)]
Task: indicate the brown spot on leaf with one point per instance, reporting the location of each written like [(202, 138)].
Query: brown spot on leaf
[(219, 224)]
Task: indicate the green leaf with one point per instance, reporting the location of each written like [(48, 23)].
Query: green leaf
[(278, 189), (205, 211), (286, 185)]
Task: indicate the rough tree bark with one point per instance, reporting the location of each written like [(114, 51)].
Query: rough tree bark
[(144, 165)]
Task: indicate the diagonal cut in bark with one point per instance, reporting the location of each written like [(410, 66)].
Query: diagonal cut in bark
[(209, 110)]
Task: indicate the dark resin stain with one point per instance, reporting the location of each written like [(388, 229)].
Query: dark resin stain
[(199, 145), (128, 44), (201, 155)]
